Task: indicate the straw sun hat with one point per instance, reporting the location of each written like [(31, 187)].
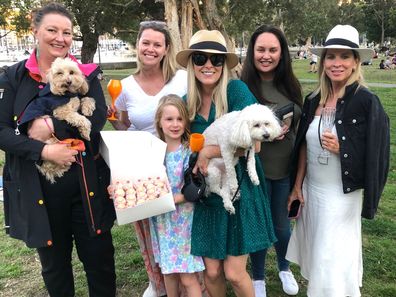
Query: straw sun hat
[(207, 41), (344, 37)]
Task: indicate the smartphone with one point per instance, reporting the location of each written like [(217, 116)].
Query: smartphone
[(294, 211)]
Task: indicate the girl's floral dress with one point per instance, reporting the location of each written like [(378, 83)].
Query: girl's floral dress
[(171, 232)]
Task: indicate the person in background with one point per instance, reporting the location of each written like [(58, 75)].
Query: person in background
[(268, 73), (157, 75), (382, 65), (224, 240), (76, 208), (388, 63), (171, 232), (336, 191), (313, 62)]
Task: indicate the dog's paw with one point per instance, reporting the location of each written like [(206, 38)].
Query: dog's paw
[(85, 132), (228, 204), (255, 181), (230, 208), (87, 106), (74, 103)]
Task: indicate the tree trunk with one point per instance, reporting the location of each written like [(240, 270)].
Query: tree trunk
[(172, 20), (89, 46), (308, 42), (215, 22), (198, 20), (186, 26)]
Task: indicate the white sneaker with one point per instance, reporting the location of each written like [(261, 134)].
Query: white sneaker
[(150, 291), (289, 284), (259, 288)]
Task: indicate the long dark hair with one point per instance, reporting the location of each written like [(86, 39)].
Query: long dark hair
[(284, 79)]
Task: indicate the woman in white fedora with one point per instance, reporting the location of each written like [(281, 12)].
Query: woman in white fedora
[(224, 240), (336, 191)]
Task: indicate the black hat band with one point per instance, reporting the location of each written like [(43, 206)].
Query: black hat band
[(341, 41), (212, 45)]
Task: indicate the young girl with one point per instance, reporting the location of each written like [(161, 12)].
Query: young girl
[(171, 232)]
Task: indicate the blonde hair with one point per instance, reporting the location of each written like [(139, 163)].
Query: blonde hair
[(325, 88), (176, 101), (168, 62), (219, 96)]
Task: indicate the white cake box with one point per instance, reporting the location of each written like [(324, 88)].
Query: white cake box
[(133, 156)]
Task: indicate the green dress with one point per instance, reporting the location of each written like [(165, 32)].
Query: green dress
[(215, 232)]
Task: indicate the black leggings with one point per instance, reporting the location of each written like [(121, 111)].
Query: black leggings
[(68, 223)]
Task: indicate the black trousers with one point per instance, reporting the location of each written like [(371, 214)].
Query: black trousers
[(68, 224)]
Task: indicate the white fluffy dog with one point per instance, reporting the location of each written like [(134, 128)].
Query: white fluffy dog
[(235, 130)]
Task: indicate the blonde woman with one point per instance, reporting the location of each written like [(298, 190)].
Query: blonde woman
[(326, 241), (156, 76), (222, 239)]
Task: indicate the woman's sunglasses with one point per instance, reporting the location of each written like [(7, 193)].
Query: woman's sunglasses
[(150, 24), (217, 60)]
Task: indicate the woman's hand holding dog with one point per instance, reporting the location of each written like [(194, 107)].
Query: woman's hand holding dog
[(205, 154), (59, 153), (285, 130), (41, 129)]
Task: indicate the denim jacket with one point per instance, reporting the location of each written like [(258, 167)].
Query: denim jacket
[(364, 137)]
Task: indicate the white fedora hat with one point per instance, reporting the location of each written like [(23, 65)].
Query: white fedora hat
[(207, 41), (344, 37)]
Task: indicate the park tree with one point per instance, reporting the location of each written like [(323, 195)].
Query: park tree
[(392, 24), (6, 12), (351, 12), (118, 17), (13, 16), (378, 19), (303, 21)]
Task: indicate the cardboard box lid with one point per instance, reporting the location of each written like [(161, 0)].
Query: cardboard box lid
[(133, 153)]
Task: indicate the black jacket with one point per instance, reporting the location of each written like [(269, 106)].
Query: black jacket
[(364, 137), (24, 202), (44, 105)]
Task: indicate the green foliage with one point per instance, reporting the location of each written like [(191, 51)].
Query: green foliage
[(6, 10), (378, 18)]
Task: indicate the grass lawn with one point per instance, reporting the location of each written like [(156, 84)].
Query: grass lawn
[(20, 268)]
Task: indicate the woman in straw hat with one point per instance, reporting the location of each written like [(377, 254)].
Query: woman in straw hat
[(337, 190), (224, 240)]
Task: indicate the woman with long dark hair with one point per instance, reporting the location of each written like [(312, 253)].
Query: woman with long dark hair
[(267, 70)]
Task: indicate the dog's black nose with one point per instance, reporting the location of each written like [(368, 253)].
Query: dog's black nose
[(266, 136)]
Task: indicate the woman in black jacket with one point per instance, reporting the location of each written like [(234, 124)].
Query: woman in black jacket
[(336, 191), (76, 207)]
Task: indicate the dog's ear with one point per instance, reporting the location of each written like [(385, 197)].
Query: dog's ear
[(50, 79), (240, 135), (49, 75), (84, 87)]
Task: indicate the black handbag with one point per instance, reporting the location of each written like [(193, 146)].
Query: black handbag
[(194, 184), (285, 114)]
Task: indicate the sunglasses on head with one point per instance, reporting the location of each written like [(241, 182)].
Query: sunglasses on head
[(200, 59), (160, 24)]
